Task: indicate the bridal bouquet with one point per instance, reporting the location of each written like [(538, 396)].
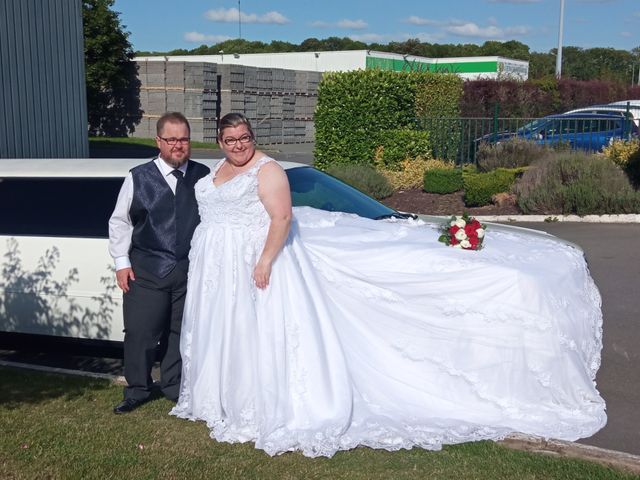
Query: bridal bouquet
[(463, 232)]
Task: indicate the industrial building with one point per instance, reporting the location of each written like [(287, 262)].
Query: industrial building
[(42, 81), (469, 68)]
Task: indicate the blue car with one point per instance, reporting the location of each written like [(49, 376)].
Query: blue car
[(584, 131)]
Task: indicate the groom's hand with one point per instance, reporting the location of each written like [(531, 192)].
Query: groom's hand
[(123, 276)]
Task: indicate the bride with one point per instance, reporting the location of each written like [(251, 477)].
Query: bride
[(319, 332)]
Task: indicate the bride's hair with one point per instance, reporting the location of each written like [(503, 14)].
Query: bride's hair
[(231, 120)]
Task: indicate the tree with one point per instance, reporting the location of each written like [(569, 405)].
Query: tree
[(113, 88)]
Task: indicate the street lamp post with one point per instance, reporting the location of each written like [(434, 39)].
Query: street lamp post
[(239, 22), (559, 52)]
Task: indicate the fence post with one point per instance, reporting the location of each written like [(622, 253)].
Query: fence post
[(626, 123), (496, 111)]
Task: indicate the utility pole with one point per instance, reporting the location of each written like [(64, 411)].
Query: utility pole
[(239, 22), (559, 52)]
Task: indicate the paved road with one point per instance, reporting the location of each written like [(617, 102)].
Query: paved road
[(614, 260)]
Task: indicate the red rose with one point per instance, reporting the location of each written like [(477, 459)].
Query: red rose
[(470, 230), (453, 240), (474, 241), (454, 229)]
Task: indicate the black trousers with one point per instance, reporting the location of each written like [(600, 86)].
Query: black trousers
[(153, 316)]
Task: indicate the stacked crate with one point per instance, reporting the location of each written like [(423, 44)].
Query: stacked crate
[(279, 103), (189, 88)]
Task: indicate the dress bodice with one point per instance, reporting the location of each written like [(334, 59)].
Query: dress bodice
[(234, 203)]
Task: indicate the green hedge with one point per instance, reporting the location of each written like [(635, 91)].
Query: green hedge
[(357, 111), (438, 97), (441, 180), (353, 107), (393, 146), (480, 187)]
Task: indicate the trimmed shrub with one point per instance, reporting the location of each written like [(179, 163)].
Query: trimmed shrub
[(480, 187), (513, 153), (411, 174), (394, 146), (353, 107), (443, 180), (356, 109), (626, 154), (364, 178), (437, 98), (576, 183)]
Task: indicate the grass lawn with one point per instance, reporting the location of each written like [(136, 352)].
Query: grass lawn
[(58, 426), (119, 142)]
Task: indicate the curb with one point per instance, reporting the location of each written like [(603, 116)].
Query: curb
[(623, 218), (609, 458), (515, 441), (115, 379)]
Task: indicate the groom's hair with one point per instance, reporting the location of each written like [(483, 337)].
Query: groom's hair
[(171, 117), (231, 120)]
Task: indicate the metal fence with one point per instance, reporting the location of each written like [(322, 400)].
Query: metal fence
[(458, 139)]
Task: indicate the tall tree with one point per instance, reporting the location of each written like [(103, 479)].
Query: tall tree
[(113, 88)]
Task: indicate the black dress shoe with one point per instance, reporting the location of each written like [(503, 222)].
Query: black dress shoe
[(128, 405)]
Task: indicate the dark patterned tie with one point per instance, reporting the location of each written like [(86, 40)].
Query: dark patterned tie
[(181, 213)]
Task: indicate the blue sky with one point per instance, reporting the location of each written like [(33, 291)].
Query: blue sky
[(165, 25)]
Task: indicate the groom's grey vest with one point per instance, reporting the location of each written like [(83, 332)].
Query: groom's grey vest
[(163, 223)]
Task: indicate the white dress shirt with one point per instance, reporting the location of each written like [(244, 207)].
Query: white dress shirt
[(120, 226)]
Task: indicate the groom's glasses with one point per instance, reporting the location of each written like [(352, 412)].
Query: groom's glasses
[(230, 141), (174, 141)]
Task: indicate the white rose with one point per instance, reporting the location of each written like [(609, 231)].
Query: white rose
[(465, 244), (480, 232), (460, 222), (457, 245), (460, 235)]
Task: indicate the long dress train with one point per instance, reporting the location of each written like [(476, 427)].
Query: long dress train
[(373, 333)]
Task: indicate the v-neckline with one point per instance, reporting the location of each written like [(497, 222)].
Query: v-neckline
[(215, 173)]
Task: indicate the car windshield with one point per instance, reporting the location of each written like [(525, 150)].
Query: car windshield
[(313, 188), (532, 126)]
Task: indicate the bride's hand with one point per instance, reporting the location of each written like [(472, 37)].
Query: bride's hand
[(261, 274)]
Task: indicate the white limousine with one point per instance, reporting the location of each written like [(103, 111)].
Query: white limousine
[(57, 276)]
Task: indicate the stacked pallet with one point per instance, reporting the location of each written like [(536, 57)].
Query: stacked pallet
[(279, 103), (190, 88)]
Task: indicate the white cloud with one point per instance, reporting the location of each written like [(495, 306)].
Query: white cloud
[(470, 29), (627, 34), (371, 38), (197, 37), (415, 20), (395, 37), (230, 15), (344, 23), (353, 24)]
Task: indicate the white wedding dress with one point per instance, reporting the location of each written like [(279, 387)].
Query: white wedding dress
[(374, 333)]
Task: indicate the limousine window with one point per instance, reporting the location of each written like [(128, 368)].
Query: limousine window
[(63, 207)]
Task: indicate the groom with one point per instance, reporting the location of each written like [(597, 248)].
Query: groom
[(150, 233)]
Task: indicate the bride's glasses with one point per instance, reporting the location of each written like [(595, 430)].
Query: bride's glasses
[(230, 141)]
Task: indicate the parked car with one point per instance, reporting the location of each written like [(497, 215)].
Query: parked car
[(631, 111), (584, 131), (57, 276)]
